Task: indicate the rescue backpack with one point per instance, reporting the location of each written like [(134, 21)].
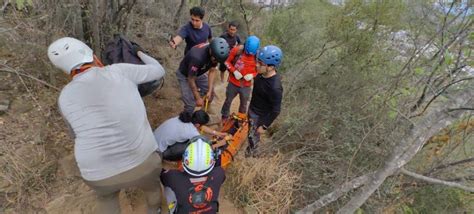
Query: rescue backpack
[(119, 50)]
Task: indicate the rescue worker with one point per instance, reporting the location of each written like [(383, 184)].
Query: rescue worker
[(174, 134), (114, 144), (242, 66), (196, 72), (196, 188), (267, 93)]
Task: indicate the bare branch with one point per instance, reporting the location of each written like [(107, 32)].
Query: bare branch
[(344, 188), (436, 181), (461, 109), (217, 24), (4, 7), (449, 165), (359, 147), (433, 122), (244, 13), (462, 178), (181, 6), (31, 77), (418, 52), (440, 92)]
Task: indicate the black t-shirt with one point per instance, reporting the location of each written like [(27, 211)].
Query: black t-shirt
[(197, 61), (182, 185), (266, 98), (194, 36), (232, 41)]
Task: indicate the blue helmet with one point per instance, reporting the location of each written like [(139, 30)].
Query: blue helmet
[(251, 45), (270, 55)]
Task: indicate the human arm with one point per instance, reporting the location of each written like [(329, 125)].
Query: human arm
[(211, 77), (249, 77), (213, 132), (151, 70), (235, 52), (71, 132), (167, 176), (275, 101), (182, 34), (192, 84), (174, 42), (251, 71), (230, 58)]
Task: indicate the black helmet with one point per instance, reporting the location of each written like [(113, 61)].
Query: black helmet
[(219, 49)]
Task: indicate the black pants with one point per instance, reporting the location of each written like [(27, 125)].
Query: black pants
[(175, 152)]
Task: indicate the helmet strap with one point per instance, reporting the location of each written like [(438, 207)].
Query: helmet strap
[(85, 67)]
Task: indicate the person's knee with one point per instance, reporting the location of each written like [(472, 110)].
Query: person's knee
[(108, 203)]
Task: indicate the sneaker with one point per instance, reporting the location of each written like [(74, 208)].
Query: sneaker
[(249, 152)]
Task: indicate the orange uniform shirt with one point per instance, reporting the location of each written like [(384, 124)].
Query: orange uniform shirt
[(244, 63)]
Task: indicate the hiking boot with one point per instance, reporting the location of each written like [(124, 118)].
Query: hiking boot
[(251, 152)]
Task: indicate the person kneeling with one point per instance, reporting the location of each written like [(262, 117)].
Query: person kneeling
[(173, 135), (196, 189)]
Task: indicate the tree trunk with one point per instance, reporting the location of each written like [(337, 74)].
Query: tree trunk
[(95, 21), (177, 16), (336, 194), (101, 19), (429, 125), (437, 181)]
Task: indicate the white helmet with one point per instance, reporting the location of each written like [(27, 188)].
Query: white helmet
[(68, 53), (198, 158)]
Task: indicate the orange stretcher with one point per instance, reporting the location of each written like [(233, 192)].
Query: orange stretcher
[(238, 126)]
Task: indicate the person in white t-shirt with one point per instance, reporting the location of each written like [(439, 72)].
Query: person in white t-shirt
[(172, 136), (114, 144)]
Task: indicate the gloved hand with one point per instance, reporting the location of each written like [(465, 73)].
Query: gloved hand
[(248, 77), (237, 75)]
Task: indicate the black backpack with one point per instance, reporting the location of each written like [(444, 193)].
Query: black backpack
[(119, 50)]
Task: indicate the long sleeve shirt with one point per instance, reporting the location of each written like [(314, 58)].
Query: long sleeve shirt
[(108, 118), (244, 63), (174, 131), (266, 99)]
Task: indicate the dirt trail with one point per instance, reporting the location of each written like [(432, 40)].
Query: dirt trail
[(37, 152), (79, 198)]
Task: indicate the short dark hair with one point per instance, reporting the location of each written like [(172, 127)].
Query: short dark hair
[(234, 24), (197, 11), (198, 117)]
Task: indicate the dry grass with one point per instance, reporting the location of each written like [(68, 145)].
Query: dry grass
[(263, 185), (25, 174)]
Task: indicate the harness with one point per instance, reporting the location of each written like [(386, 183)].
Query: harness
[(199, 197)]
